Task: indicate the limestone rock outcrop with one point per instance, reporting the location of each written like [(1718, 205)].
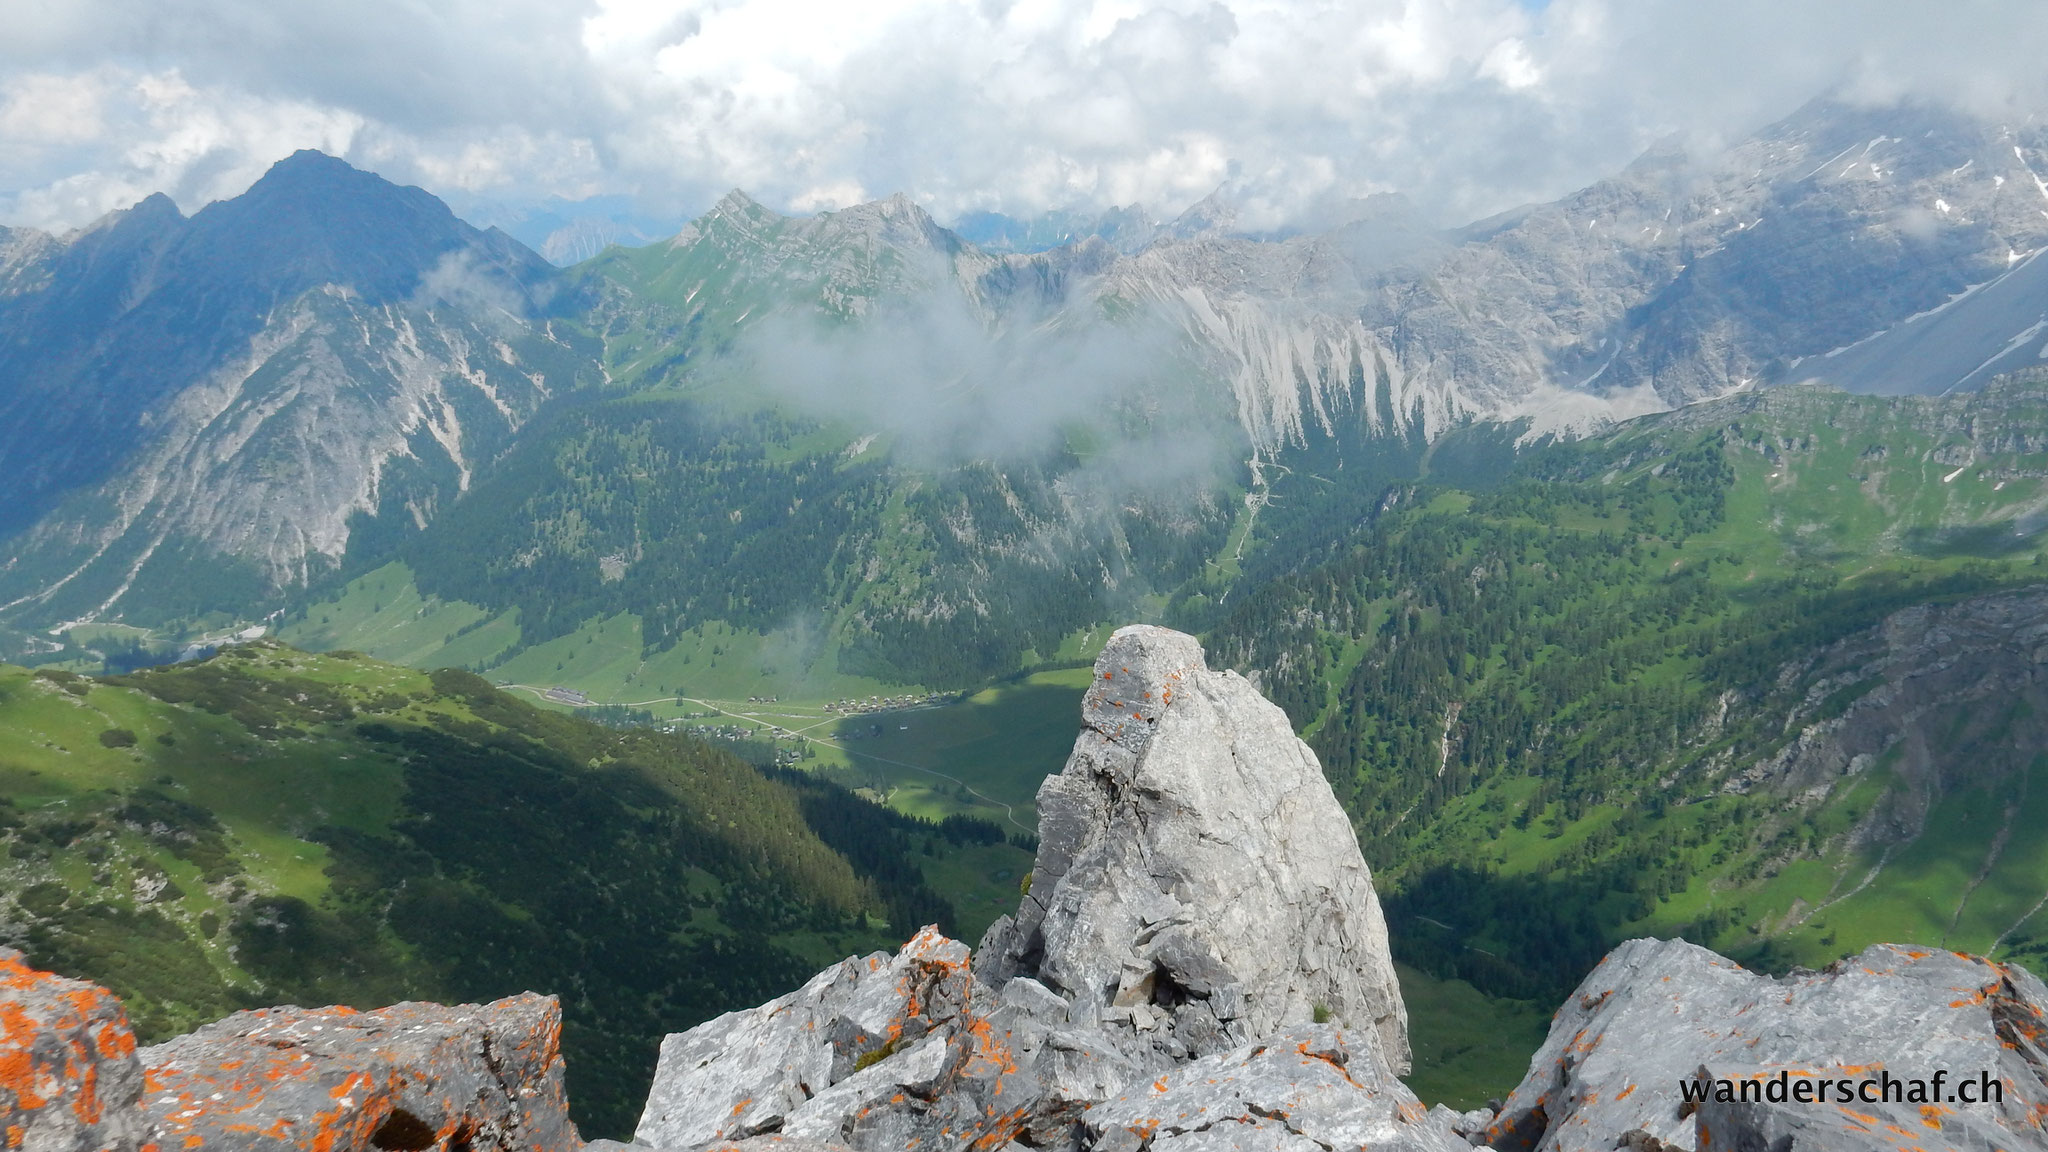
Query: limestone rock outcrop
[(69, 1077), (1197, 888), (885, 1052), (1655, 1011), (1303, 1090), (1197, 884)]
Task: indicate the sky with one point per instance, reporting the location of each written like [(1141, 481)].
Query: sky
[(502, 107)]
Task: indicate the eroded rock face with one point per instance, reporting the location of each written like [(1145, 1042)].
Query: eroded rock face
[(1303, 1090), (69, 1077), (1654, 1011), (412, 1076), (1197, 884)]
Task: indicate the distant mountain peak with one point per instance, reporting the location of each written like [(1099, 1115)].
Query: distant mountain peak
[(737, 202), (735, 209)]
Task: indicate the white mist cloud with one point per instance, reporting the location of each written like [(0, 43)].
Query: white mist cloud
[(946, 386), (1469, 106)]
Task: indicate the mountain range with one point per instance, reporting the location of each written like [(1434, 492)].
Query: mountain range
[(1664, 559), (209, 416)]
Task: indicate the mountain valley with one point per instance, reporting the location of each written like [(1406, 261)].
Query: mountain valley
[(384, 606)]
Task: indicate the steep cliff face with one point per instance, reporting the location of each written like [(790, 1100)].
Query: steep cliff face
[(1946, 696), (1783, 257), (1684, 277)]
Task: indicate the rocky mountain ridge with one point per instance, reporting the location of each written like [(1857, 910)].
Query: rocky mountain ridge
[(295, 378), (238, 386), (921, 1050)]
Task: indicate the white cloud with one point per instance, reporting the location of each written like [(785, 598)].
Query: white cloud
[(42, 109), (1017, 105)]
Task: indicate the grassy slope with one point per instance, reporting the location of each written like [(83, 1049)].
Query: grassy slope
[(999, 742), (1468, 1047), (1551, 842), (241, 831)]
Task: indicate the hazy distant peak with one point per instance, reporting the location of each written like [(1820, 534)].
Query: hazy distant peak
[(153, 212), (735, 209), (896, 221), (738, 203)]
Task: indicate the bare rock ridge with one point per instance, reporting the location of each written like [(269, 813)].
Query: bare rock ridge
[(1200, 950)]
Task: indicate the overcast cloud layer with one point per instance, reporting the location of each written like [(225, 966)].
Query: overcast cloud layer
[(1470, 106)]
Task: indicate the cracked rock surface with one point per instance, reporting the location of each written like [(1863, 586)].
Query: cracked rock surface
[(1197, 884), (885, 1052), (1654, 1011), (480, 1078), (745, 1073), (1311, 1089)]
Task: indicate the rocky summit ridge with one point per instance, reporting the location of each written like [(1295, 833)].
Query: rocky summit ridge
[(1198, 964), (1197, 890)]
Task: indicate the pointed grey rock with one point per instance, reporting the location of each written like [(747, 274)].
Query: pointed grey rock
[(1197, 884)]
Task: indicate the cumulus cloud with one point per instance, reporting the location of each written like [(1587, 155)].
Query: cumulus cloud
[(1469, 106)]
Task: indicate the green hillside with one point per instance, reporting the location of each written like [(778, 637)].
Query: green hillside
[(273, 826), (1528, 692)]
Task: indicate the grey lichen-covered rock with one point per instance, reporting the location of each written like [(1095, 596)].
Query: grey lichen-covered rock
[(1761, 1125), (1005, 1070), (1654, 1011), (1197, 884), (884, 1053), (485, 1078), (748, 1144), (744, 1073), (69, 1077), (1197, 887), (1304, 1090)]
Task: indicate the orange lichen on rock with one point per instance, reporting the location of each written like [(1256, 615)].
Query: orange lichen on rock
[(337, 1080), (68, 1071)]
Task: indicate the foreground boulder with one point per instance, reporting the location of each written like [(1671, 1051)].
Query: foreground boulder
[(412, 1076), (69, 1077), (1655, 1012), (1197, 887), (1197, 884)]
